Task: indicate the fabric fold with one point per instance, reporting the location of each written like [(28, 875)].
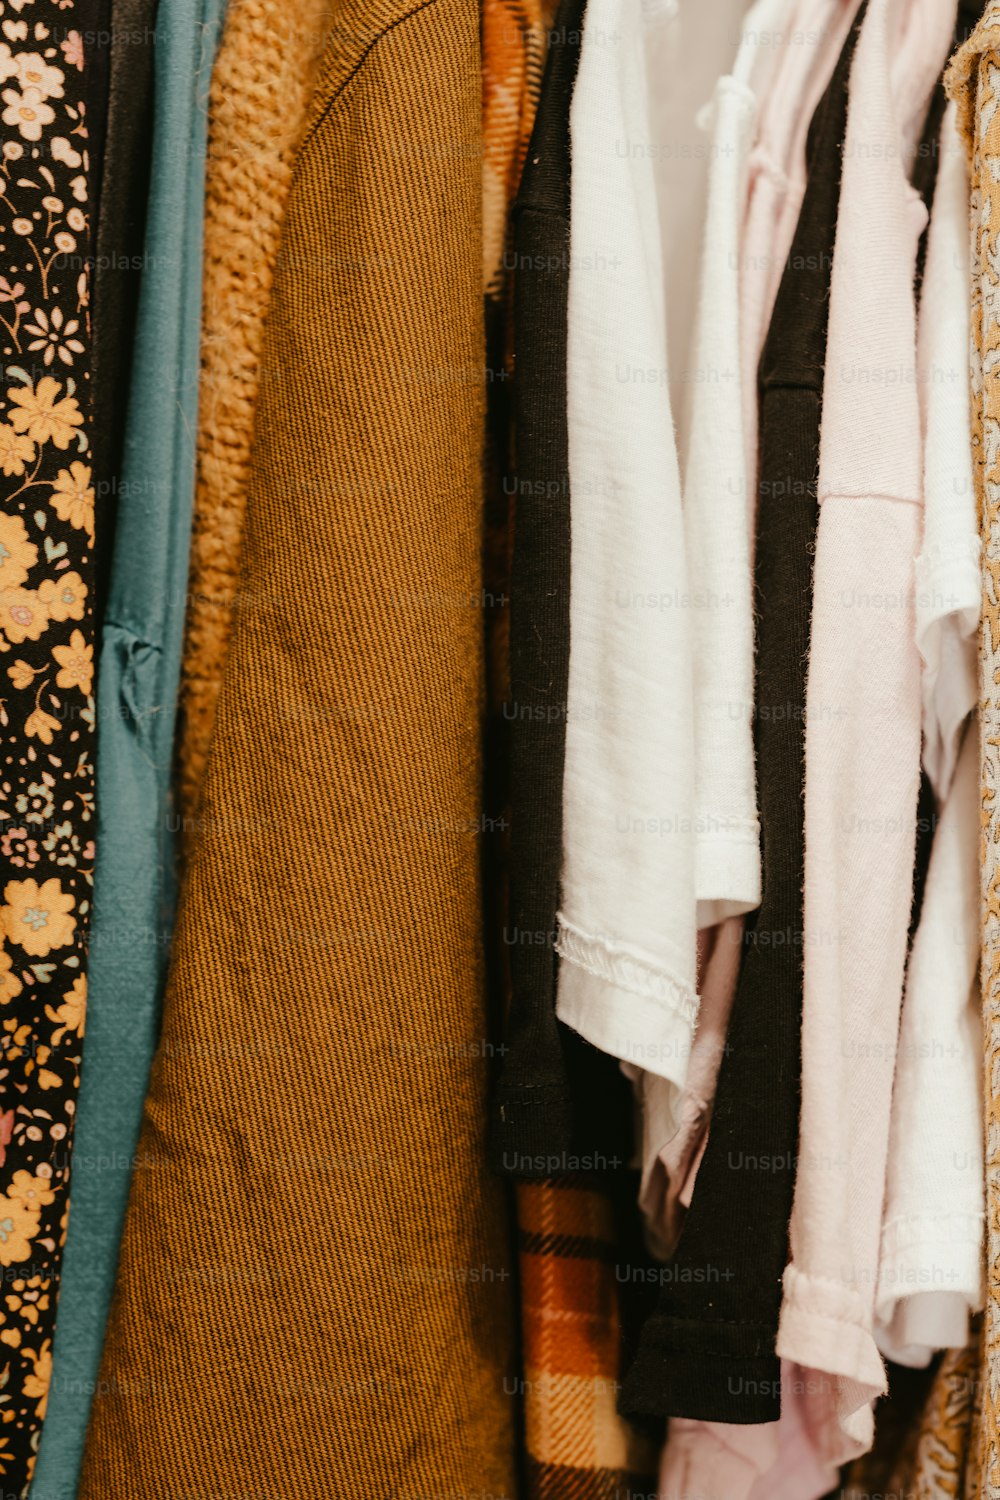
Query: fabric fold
[(627, 918), (862, 724), (329, 936), (709, 1351), (137, 688)]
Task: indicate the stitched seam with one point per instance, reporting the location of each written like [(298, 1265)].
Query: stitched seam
[(357, 68), (625, 972), (836, 1320), (870, 495), (921, 1224), (742, 93)]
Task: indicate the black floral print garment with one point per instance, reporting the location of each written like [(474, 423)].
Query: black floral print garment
[(47, 729)]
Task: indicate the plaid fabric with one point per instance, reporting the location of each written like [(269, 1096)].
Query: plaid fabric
[(514, 34), (578, 1448)]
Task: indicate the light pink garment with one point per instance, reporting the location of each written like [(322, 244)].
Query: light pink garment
[(712, 1460), (806, 41), (775, 1461), (863, 713), (668, 1171), (776, 181)]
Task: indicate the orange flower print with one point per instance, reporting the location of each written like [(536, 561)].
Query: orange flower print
[(33, 1193), (21, 674), (41, 725), (16, 450), (72, 1014), (6, 1132), (10, 985), (30, 1191), (41, 415), (73, 498), (37, 1383), (18, 1227), (64, 597), (27, 1299), (17, 555), (23, 616), (37, 917), (77, 663)]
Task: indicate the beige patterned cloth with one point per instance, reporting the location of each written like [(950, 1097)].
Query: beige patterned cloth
[(973, 81), (941, 1463)]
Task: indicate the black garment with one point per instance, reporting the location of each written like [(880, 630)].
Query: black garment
[(708, 1352), (532, 1117), (123, 167), (97, 51)]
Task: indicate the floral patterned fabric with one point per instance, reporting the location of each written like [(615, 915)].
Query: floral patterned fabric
[(938, 1467), (973, 81), (46, 671)]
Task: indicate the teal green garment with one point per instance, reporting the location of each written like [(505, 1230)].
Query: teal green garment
[(136, 702)]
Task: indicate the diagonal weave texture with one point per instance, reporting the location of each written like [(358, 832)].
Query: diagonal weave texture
[(313, 1297)]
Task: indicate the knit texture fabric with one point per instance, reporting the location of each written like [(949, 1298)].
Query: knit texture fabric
[(709, 1352), (336, 1318), (261, 87), (973, 81)]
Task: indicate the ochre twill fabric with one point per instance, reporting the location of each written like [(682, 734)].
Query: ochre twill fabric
[(262, 84), (314, 1297)]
